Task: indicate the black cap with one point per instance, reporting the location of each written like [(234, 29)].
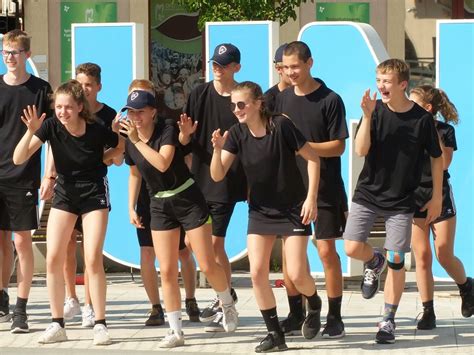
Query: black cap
[(139, 99), (225, 54), (279, 53)]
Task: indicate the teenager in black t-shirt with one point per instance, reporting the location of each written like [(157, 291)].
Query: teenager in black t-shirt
[(271, 94), (393, 135), (18, 184), (77, 144), (176, 202), (208, 107), (278, 202), (436, 101), (319, 114)]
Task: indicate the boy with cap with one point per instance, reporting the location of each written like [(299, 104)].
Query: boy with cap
[(319, 113), (207, 109), (19, 183), (271, 94), (393, 135)]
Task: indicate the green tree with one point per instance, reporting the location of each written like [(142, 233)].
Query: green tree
[(242, 10)]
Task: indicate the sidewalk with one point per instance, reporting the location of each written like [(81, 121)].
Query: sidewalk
[(127, 308)]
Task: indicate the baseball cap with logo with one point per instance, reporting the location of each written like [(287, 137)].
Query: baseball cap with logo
[(139, 99), (226, 53)]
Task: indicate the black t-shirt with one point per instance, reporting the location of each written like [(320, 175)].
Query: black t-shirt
[(212, 111), (165, 133), (321, 117), (13, 99), (270, 97), (78, 158), (448, 137), (105, 116), (393, 165), (270, 163)]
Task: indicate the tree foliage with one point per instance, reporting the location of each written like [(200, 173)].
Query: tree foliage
[(242, 10)]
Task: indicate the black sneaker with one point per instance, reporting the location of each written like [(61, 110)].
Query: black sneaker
[(311, 324), (192, 310), (272, 342), (19, 322), (334, 328), (216, 325), (234, 295), (371, 283), (292, 324), (386, 333), (156, 318), (467, 301), (427, 321), (209, 313), (5, 315)]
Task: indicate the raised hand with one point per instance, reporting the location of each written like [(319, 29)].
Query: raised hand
[(186, 125), (31, 120), (368, 103), (130, 130), (218, 140), (116, 123)]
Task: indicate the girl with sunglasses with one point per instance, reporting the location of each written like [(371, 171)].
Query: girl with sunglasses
[(278, 203)]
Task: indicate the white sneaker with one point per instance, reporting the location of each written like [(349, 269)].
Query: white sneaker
[(230, 320), (88, 316), (53, 334), (172, 340), (101, 335), (72, 308)]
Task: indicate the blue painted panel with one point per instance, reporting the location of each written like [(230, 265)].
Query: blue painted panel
[(456, 78)]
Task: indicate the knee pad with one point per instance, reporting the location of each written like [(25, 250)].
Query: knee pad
[(395, 260)]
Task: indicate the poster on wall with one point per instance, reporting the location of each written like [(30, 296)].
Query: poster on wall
[(81, 12), (175, 55), (343, 11)]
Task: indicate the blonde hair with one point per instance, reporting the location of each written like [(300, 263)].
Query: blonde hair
[(19, 37), (395, 66), (439, 102), (142, 84), (74, 89)]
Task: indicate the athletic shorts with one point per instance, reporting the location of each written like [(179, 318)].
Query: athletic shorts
[(81, 197), (18, 209), (187, 208), (270, 221), (397, 226), (423, 195), (330, 223), (220, 216)]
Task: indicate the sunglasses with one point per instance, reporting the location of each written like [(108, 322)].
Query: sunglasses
[(240, 105), (6, 53)]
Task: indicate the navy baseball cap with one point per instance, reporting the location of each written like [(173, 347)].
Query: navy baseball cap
[(226, 53), (139, 99), (279, 53)]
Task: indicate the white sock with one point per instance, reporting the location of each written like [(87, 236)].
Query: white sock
[(225, 297), (174, 319)]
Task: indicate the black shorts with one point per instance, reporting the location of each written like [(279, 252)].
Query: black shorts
[(330, 223), (18, 209), (221, 214), (187, 209), (423, 195), (270, 221), (81, 197)]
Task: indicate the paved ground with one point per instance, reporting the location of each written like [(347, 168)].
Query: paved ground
[(127, 308)]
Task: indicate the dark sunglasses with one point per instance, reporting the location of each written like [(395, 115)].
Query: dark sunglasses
[(240, 105)]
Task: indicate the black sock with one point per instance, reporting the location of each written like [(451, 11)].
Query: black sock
[(465, 287), (314, 302), (21, 304), (158, 307), (190, 300), (374, 262), (100, 321), (271, 320), (335, 306), (428, 306), (60, 321), (296, 305), (389, 311)]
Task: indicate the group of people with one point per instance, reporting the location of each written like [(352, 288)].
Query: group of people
[(279, 151)]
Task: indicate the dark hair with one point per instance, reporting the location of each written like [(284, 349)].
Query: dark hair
[(395, 66), (74, 89), (299, 48), (90, 69), (439, 102)]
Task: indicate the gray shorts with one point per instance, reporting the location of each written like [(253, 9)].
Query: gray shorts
[(397, 226)]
